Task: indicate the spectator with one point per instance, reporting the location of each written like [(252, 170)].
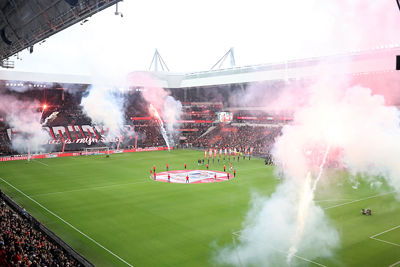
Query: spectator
[(23, 245)]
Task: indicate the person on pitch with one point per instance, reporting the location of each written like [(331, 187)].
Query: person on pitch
[(228, 175), (224, 168), (234, 173), (155, 176), (207, 166), (167, 166), (185, 166), (215, 177), (169, 178), (154, 168), (231, 168), (187, 178)]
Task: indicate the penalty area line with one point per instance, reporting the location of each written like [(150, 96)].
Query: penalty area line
[(67, 223), (394, 264), (358, 200), (385, 231), (332, 200), (384, 241), (237, 234)]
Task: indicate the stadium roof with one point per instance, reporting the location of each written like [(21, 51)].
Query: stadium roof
[(25, 23), (375, 61)]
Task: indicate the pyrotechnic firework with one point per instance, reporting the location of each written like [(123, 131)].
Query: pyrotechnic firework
[(307, 197), (350, 127), (160, 123), (50, 118)]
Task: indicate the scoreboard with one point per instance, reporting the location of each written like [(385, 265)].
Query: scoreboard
[(225, 117)]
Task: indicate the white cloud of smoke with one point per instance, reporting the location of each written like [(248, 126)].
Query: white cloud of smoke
[(172, 112), (343, 117), (363, 135), (25, 117), (169, 108), (269, 229), (105, 107)]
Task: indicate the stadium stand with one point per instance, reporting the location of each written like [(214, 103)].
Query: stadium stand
[(261, 138), (24, 243), (204, 97)]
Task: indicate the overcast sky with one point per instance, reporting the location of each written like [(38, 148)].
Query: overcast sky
[(193, 35)]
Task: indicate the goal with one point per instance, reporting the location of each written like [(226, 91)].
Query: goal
[(96, 151)]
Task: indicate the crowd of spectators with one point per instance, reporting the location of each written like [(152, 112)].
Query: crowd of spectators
[(5, 145), (23, 245), (149, 136), (261, 138), (148, 132)]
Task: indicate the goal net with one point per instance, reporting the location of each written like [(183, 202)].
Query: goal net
[(96, 151)]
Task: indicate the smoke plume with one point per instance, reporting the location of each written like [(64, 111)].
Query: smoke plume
[(347, 119), (105, 107), (169, 108), (352, 128), (172, 112), (25, 117)]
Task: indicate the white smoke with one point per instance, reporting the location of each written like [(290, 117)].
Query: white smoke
[(172, 112), (169, 108), (363, 134), (270, 226), (105, 107), (25, 117), (50, 118)]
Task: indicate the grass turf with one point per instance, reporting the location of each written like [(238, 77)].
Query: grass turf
[(147, 223)]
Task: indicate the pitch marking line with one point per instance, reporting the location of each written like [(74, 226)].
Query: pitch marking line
[(84, 189), (358, 200), (331, 200), (384, 241), (295, 255), (391, 243), (67, 223), (394, 264), (36, 161)]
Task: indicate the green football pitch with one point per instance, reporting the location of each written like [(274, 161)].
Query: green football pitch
[(110, 211)]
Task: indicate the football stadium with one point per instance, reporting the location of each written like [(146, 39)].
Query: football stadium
[(288, 163)]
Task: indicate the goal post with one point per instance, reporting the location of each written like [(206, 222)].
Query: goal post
[(97, 151)]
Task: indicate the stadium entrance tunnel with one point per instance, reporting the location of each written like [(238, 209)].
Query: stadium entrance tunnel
[(195, 176)]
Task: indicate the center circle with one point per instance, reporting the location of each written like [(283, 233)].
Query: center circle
[(195, 176)]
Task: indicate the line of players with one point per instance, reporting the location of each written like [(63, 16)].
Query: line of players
[(154, 174)]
